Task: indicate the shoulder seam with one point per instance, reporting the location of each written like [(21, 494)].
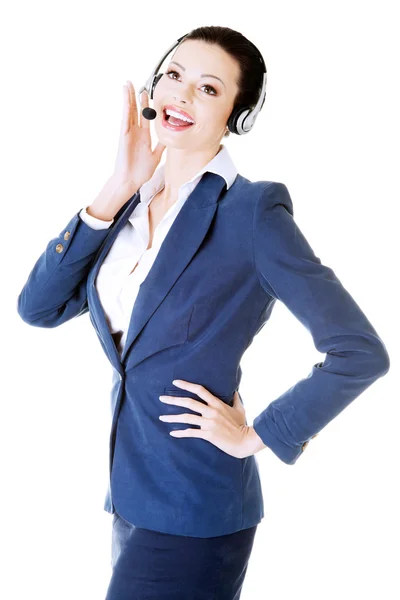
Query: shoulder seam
[(254, 254)]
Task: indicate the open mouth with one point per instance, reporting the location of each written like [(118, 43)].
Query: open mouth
[(174, 123)]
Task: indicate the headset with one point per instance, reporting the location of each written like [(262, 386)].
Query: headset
[(241, 119)]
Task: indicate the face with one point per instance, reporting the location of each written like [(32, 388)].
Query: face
[(204, 85)]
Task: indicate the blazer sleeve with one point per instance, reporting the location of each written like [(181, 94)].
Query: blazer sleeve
[(289, 271), (55, 290)]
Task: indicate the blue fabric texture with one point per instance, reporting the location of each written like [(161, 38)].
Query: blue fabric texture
[(149, 565), (228, 257)]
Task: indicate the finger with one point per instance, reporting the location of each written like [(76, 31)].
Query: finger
[(189, 432), (237, 402), (125, 126), (132, 104), (204, 394)]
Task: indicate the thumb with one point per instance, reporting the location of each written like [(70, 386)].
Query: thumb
[(236, 400)]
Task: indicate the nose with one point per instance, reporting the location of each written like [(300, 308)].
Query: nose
[(180, 100), (184, 94)]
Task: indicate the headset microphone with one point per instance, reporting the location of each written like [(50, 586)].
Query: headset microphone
[(149, 113)]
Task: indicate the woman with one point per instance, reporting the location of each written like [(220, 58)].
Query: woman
[(179, 278)]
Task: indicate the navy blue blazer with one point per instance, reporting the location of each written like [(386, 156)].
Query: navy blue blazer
[(227, 258)]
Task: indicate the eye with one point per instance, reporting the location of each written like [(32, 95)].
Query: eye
[(205, 85), (211, 88), (170, 71)]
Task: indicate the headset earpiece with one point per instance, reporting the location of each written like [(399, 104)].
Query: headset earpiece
[(238, 114)]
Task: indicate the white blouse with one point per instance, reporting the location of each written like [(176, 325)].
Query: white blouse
[(116, 285)]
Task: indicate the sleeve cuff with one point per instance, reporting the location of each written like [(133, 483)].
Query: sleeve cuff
[(94, 222), (284, 451)]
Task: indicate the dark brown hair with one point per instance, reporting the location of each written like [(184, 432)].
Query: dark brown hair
[(245, 54)]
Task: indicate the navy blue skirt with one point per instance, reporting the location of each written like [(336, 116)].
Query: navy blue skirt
[(150, 565)]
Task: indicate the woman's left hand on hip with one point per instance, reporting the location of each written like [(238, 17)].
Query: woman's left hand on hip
[(222, 425)]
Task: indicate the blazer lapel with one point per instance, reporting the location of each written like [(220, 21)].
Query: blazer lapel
[(179, 246)]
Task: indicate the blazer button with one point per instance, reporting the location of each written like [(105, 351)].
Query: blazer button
[(66, 235), (314, 436), (304, 446), (59, 248)]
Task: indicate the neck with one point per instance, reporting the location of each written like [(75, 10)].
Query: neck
[(181, 166)]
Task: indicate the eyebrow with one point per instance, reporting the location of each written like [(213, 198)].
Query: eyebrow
[(202, 75)]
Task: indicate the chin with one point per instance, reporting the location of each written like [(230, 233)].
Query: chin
[(170, 140)]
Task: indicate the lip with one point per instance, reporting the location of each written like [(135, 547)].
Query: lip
[(179, 110)]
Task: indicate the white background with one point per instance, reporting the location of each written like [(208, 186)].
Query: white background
[(329, 130)]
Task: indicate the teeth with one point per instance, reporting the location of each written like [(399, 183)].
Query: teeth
[(178, 115)]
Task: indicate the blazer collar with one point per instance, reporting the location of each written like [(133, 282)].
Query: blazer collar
[(221, 164)]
